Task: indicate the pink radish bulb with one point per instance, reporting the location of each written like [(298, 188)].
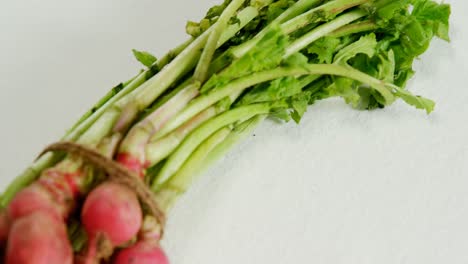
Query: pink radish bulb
[(143, 252), (30, 200), (132, 163), (38, 238), (113, 210), (4, 227)]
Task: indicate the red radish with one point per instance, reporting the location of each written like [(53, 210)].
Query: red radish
[(38, 238), (143, 252), (36, 219), (147, 249), (32, 199), (4, 227), (112, 201), (54, 193), (132, 163), (113, 211)]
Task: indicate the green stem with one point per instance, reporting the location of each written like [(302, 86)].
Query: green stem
[(353, 29), (118, 93), (296, 9), (323, 30), (123, 89), (248, 12), (239, 133), (127, 108), (321, 13), (160, 148), (139, 135), (166, 97), (28, 176), (180, 182), (84, 126), (180, 66), (113, 92), (172, 54), (200, 134), (317, 14), (206, 154), (307, 39), (204, 101), (201, 71), (245, 16)]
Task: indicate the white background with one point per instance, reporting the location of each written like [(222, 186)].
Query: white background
[(347, 187)]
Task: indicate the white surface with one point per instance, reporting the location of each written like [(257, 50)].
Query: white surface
[(343, 187)]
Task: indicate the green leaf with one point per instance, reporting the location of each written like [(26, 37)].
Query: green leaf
[(416, 101), (370, 100), (387, 66), (361, 56), (402, 76), (324, 48), (297, 59), (195, 29), (293, 107), (365, 45), (317, 89), (434, 15), (275, 90), (260, 3), (280, 114), (299, 105), (267, 54), (407, 33), (347, 89), (144, 57), (217, 10), (388, 9), (234, 20), (275, 9)]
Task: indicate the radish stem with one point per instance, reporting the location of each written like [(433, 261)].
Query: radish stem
[(201, 71), (323, 30), (200, 134)]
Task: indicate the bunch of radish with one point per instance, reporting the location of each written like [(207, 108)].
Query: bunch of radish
[(245, 61)]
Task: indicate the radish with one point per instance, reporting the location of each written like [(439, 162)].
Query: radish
[(113, 212), (54, 193), (143, 252), (4, 227), (36, 219), (132, 163), (30, 200), (38, 238)]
